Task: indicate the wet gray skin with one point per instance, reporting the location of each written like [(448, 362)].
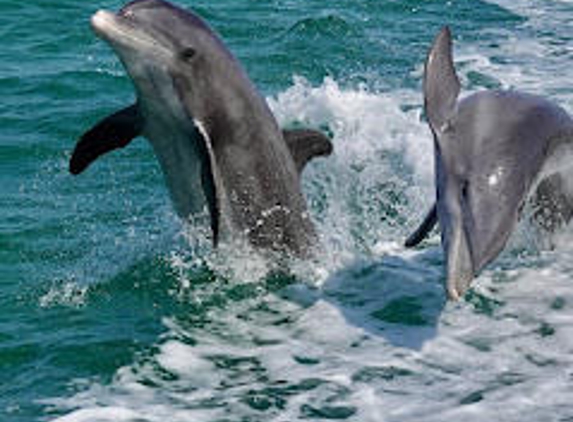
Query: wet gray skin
[(218, 144), (494, 150)]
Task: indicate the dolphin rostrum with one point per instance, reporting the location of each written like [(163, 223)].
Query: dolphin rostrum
[(494, 151), (218, 144)]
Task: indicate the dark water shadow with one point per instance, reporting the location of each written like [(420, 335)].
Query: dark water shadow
[(397, 298)]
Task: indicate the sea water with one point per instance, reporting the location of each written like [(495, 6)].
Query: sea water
[(112, 310)]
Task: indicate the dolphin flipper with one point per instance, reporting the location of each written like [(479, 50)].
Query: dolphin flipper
[(441, 84), (305, 144), (115, 131), (422, 231)]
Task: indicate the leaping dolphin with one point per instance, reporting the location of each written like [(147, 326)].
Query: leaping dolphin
[(217, 142), (494, 150)]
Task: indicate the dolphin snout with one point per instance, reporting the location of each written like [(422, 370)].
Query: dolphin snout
[(456, 287), (101, 20), (460, 265)]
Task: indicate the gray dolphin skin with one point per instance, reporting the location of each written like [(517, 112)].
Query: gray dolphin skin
[(218, 144), (494, 151)]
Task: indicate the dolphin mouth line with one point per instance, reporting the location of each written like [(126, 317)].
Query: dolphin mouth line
[(121, 29)]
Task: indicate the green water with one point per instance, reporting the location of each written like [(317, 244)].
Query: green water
[(110, 310)]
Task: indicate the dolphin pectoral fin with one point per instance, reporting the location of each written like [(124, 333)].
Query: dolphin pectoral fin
[(425, 227), (115, 131), (305, 144), (441, 84)]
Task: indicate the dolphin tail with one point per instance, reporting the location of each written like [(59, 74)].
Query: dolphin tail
[(441, 84), (425, 227), (115, 131), (305, 144)]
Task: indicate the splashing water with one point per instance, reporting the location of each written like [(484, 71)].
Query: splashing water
[(111, 310)]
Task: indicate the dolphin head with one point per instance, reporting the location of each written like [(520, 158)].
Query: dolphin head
[(176, 64), (490, 149), (485, 166), (165, 49)]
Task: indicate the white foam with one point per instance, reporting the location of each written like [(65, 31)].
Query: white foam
[(536, 55), (379, 142), (180, 359), (102, 414), (65, 294), (365, 124), (472, 365)]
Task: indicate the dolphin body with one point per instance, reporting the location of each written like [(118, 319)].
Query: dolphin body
[(494, 150), (217, 142)]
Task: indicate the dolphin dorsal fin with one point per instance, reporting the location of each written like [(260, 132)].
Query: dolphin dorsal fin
[(114, 131), (441, 84), (305, 144)]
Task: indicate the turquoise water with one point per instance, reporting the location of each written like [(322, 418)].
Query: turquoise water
[(111, 310)]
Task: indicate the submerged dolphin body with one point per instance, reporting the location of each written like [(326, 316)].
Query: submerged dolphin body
[(494, 150), (217, 142)]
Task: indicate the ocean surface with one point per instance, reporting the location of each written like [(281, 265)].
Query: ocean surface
[(112, 310)]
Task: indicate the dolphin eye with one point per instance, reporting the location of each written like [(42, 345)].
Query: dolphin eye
[(188, 53)]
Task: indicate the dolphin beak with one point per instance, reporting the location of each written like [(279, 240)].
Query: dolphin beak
[(111, 26), (460, 268), (457, 285), (101, 21), (124, 33)]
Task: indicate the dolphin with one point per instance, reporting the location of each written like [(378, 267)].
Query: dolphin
[(219, 146), (495, 150)]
